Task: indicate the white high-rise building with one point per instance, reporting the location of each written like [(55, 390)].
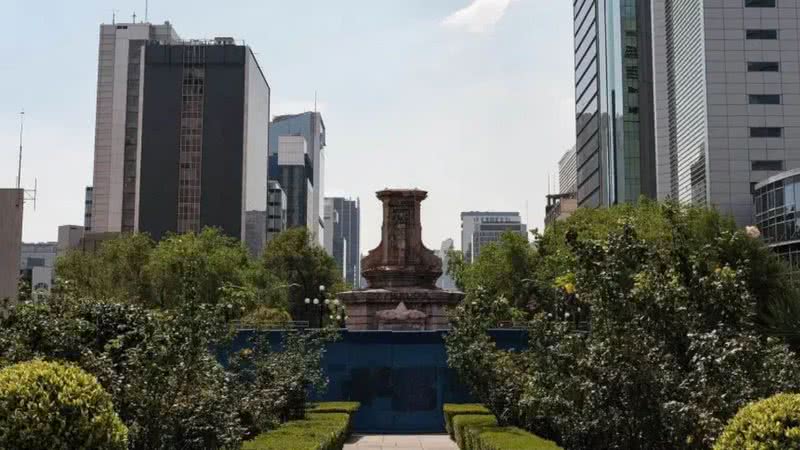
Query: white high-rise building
[(727, 91), (117, 121)]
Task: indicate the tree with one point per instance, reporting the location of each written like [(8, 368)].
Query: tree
[(115, 272), (296, 259), (503, 269), (133, 269), (211, 259), (675, 344)]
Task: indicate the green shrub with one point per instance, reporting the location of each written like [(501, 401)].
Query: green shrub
[(454, 409), (770, 424), (507, 438), (319, 431), (348, 408), (46, 405), (470, 421), (335, 407)]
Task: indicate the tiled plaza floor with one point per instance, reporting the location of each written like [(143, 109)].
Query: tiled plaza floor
[(400, 441)]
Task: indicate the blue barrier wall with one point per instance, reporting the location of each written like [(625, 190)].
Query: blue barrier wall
[(401, 378)]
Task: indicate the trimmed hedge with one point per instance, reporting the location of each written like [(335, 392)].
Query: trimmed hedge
[(325, 427), (769, 424), (474, 422), (46, 405), (473, 428), (335, 407), (318, 431), (506, 438), (453, 409)]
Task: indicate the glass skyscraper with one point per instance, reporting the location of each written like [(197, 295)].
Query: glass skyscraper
[(615, 142)]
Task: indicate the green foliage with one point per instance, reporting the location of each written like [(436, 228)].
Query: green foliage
[(465, 422), (770, 424), (274, 386), (295, 257), (133, 269), (503, 270), (117, 271), (264, 315), (54, 406), (326, 431), (24, 291), (451, 410), (208, 261), (148, 338), (166, 387), (456, 267), (647, 330)]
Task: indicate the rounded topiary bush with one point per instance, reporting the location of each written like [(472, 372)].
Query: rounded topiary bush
[(55, 406), (770, 424)]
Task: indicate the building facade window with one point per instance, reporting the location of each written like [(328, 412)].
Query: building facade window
[(762, 34), (763, 66), (765, 132), (767, 165), (760, 3), (191, 139), (764, 99)]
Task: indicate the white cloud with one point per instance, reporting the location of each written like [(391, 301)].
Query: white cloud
[(478, 17)]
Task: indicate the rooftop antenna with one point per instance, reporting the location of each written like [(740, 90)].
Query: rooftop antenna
[(113, 17), (145, 10), (315, 100), (28, 194), (134, 17)]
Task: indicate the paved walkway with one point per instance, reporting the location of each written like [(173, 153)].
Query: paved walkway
[(400, 441)]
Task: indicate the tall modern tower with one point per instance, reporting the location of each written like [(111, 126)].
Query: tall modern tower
[(728, 98), (311, 128), (202, 141), (119, 72), (614, 101), (345, 236)]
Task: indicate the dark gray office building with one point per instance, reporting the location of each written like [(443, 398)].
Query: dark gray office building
[(203, 140), (346, 240), (615, 143)]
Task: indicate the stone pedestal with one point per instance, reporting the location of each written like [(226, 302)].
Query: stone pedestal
[(401, 274), (363, 307)]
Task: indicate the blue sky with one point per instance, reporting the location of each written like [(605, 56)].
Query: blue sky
[(470, 100)]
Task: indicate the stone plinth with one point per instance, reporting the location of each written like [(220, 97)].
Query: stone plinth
[(401, 274), (401, 260), (364, 306)]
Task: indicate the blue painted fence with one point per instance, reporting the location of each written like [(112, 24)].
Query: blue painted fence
[(401, 378)]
